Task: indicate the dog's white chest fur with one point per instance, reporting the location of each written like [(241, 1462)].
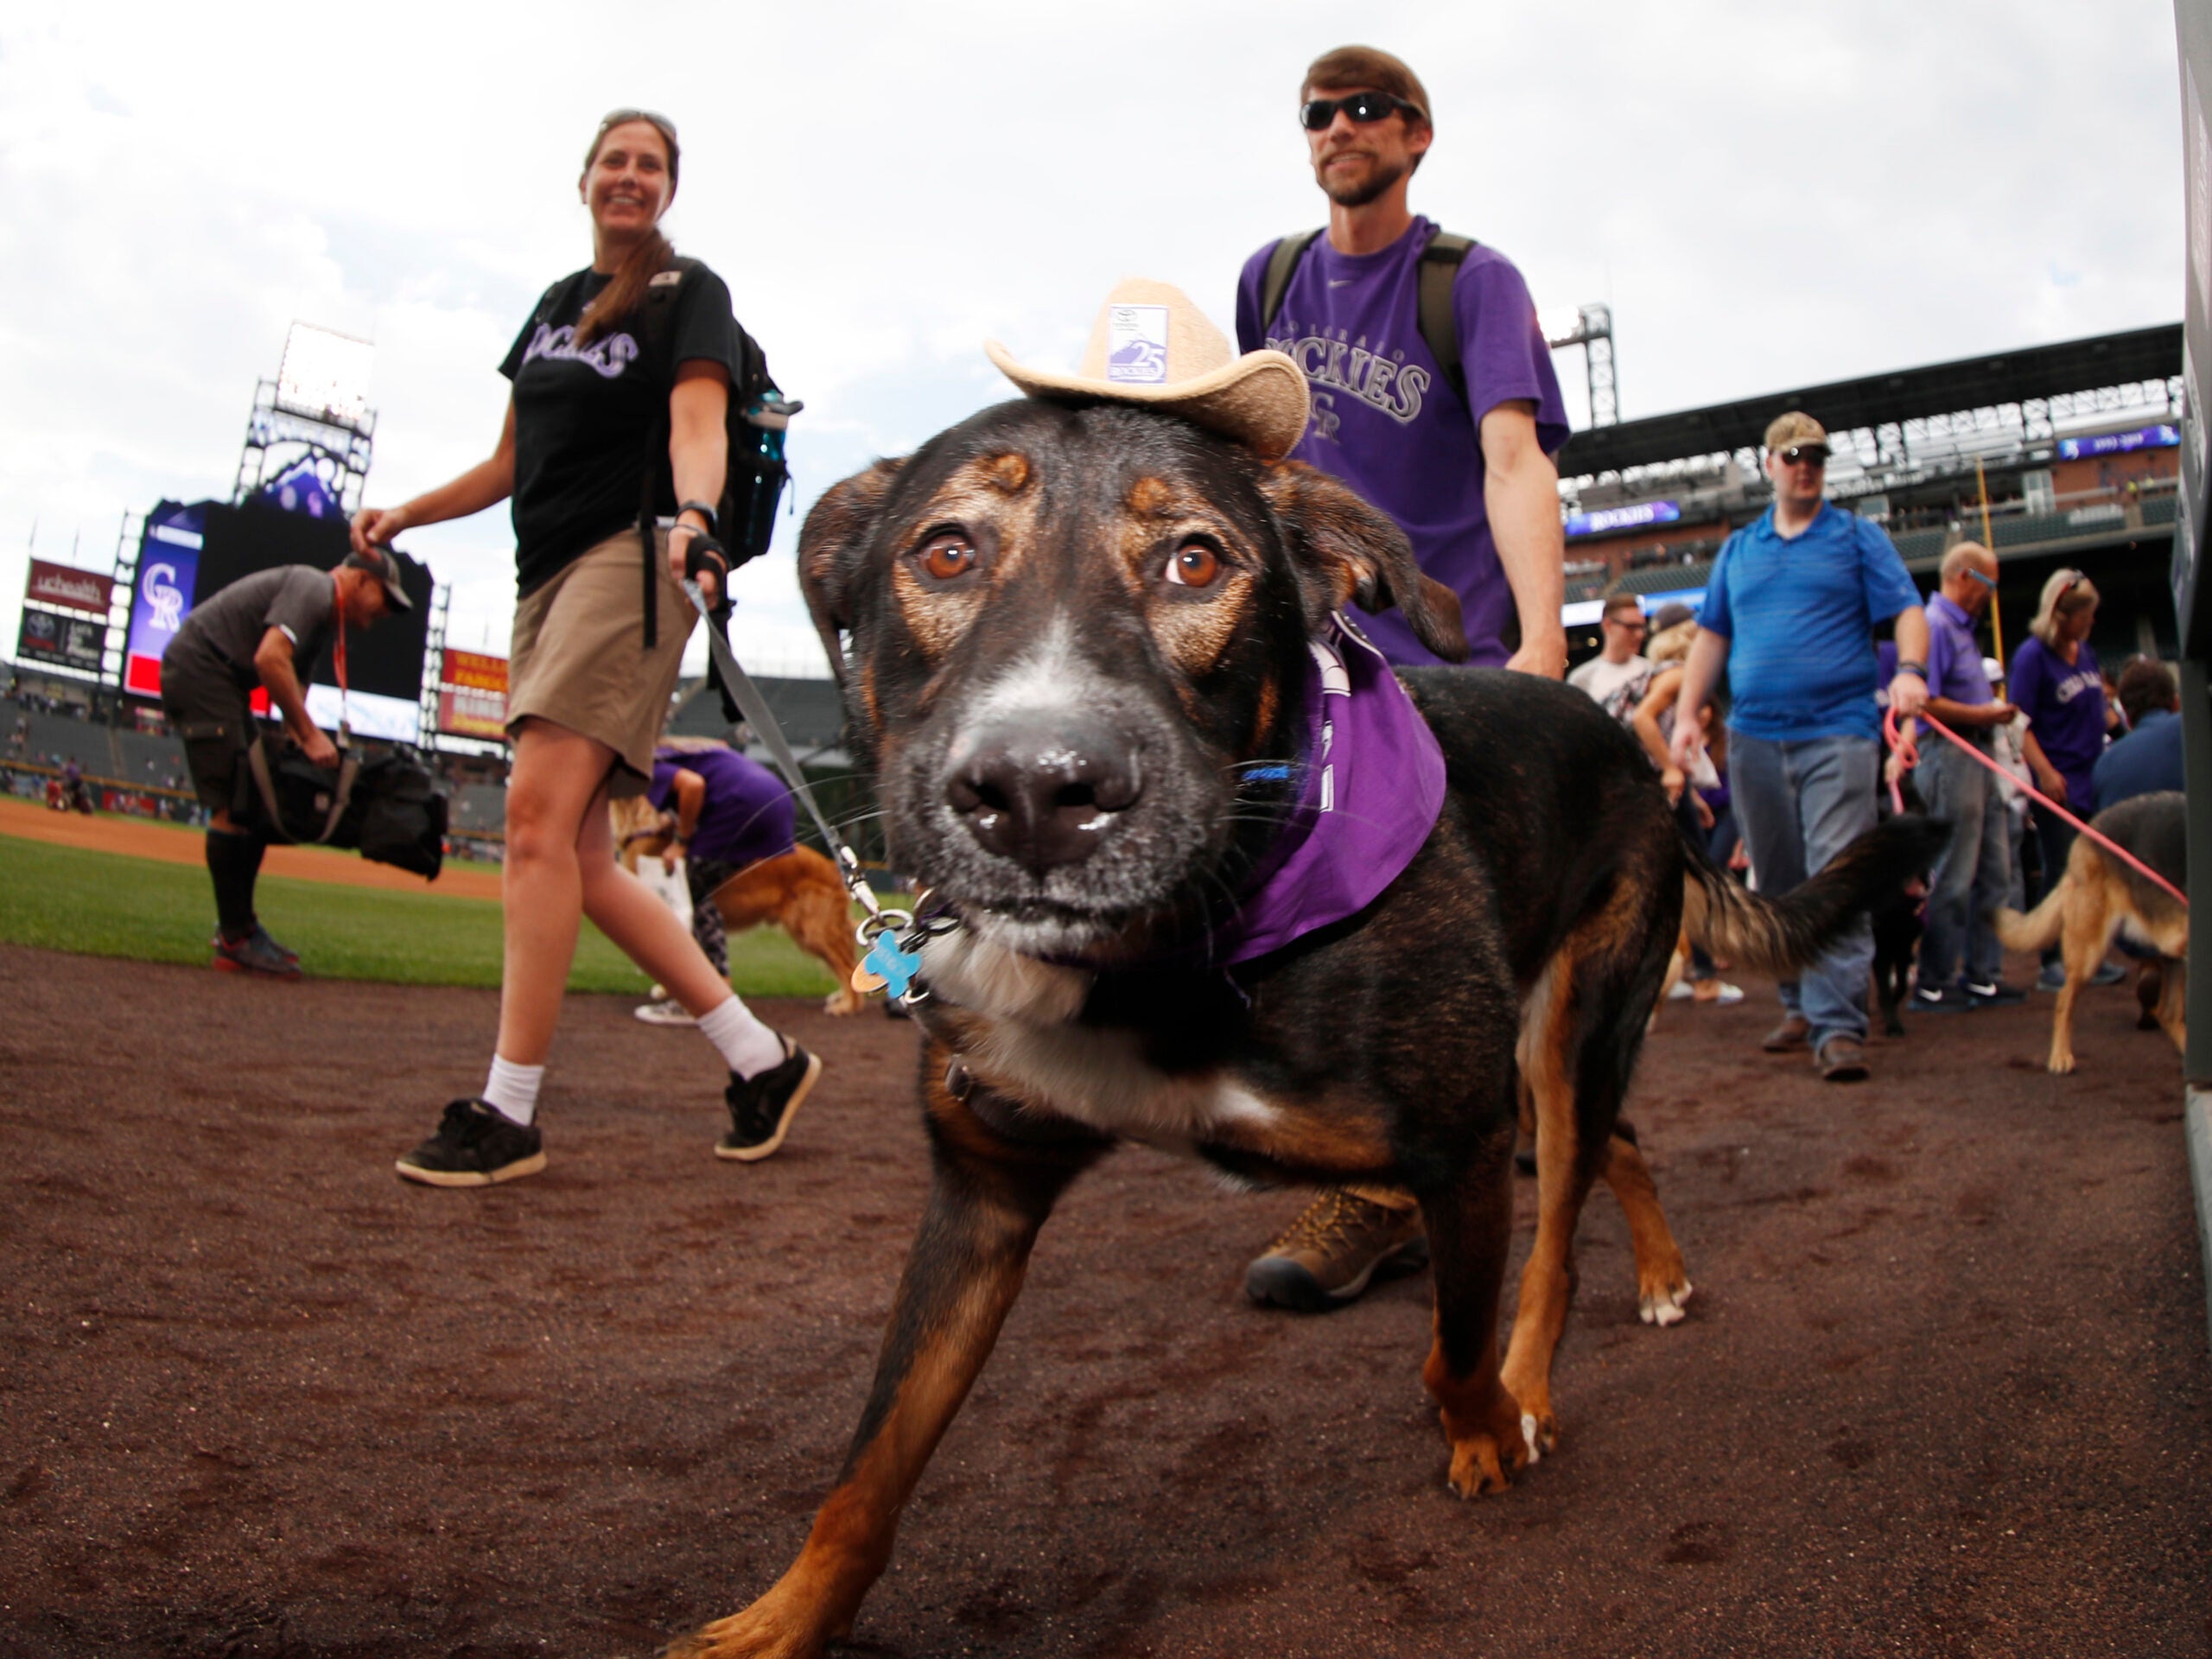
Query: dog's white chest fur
[(1029, 1047)]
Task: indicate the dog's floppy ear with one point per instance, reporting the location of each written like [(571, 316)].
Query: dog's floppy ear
[(1345, 550), (831, 545)]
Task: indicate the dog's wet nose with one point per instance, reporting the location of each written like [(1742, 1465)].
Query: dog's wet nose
[(1043, 798)]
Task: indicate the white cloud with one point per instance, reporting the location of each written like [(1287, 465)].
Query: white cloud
[(1765, 197)]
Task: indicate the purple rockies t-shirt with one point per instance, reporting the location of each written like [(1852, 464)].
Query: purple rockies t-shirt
[(2065, 706), (747, 815), (1388, 422)]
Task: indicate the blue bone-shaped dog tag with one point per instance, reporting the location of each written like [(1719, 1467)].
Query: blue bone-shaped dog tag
[(894, 966)]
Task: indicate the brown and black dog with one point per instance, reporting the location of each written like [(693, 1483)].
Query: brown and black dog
[(2098, 896), (1078, 645)]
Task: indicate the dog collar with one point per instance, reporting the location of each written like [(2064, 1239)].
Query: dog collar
[(1372, 787)]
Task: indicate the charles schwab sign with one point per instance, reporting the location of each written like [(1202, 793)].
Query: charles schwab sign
[(64, 585)]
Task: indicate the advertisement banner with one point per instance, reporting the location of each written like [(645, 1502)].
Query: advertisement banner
[(472, 696), (70, 641), (67, 586), (169, 569)]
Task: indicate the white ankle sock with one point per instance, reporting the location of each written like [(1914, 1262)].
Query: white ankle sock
[(747, 1047), (514, 1089)]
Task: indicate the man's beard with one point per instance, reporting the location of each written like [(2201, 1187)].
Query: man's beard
[(1371, 188)]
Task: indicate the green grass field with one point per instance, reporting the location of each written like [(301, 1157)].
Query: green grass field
[(105, 904)]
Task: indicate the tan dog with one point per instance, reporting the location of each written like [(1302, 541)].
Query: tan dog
[(2098, 896), (798, 891)]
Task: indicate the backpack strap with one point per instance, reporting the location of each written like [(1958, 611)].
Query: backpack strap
[(1282, 265), (1439, 323), (657, 324)]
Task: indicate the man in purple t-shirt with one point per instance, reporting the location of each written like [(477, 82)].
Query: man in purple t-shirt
[(1460, 454), (1468, 475)]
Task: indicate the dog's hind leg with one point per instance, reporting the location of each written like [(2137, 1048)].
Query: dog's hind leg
[(988, 1195), (2173, 997), (1663, 1280), (2085, 932)]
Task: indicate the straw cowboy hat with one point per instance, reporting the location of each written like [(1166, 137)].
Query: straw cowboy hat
[(1152, 348)]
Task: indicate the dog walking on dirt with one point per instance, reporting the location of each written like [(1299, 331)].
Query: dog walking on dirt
[(2099, 897), (1206, 874)]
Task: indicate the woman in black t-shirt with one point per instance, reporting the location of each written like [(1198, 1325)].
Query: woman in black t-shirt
[(587, 694)]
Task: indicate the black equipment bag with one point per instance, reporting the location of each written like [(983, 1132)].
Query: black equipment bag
[(387, 808)]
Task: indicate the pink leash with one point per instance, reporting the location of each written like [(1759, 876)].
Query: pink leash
[(1909, 751)]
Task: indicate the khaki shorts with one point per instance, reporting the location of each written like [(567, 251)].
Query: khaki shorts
[(579, 656)]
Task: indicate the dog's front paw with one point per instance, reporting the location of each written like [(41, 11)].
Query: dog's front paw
[(2061, 1065), (843, 1000), (1486, 1456), (759, 1632)]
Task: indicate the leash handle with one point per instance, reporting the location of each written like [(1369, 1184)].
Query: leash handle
[(762, 719), (1909, 752)]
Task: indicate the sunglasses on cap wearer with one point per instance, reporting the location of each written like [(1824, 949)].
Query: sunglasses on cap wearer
[(1634, 621), (1814, 454), (1364, 108), (614, 118)]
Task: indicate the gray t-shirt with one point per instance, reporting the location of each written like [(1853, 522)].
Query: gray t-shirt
[(223, 632)]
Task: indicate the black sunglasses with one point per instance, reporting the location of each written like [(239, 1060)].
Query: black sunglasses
[(618, 118), (1363, 107), (1814, 452)]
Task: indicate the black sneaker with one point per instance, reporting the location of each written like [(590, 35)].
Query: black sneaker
[(761, 1107), (476, 1144), (1992, 994), (257, 953), (1940, 999)]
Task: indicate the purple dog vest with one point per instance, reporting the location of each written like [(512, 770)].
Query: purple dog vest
[(1373, 787)]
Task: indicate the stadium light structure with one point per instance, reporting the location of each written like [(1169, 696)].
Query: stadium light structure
[(311, 437), (1590, 327), (324, 375)]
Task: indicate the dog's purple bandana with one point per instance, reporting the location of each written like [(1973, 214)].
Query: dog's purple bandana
[(1373, 787)]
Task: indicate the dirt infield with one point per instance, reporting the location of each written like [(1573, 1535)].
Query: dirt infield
[(109, 832), (1943, 1389)]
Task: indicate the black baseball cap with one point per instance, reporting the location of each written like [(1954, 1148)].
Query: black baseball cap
[(382, 563)]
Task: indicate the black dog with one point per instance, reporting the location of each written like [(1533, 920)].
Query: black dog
[(1081, 668)]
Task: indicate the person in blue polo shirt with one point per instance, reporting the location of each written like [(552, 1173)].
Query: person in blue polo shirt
[(1960, 954), (1790, 612)]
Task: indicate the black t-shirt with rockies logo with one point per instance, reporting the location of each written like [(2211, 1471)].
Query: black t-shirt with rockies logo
[(583, 418)]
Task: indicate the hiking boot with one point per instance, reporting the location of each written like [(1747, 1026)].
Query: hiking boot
[(761, 1106), (1792, 1035), (666, 1012), (476, 1144), (1992, 994), (2051, 976), (1842, 1058), (257, 953), (1329, 1255), (2108, 972), (1942, 999)]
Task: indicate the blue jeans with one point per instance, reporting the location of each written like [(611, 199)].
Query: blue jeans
[(1801, 803), (1973, 875)]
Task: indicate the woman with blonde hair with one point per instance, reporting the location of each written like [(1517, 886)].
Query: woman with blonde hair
[(2055, 681), (601, 624)]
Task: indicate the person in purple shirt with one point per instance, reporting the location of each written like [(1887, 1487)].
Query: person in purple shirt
[(1960, 955), (724, 813), (1460, 454), (2057, 684)]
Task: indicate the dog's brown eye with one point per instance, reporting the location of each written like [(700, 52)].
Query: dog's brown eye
[(1194, 565), (947, 554)]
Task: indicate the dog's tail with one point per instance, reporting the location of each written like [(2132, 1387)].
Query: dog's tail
[(2039, 929), (1782, 936)]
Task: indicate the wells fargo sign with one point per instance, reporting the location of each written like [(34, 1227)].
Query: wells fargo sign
[(472, 696), (72, 589)]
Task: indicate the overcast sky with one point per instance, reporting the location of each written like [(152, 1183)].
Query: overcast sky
[(1767, 195)]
